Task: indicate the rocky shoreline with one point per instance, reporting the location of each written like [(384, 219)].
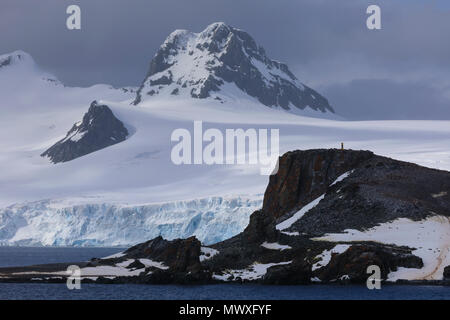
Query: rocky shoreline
[(327, 215)]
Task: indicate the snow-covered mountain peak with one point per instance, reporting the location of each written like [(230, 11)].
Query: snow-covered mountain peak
[(19, 66), (16, 58), (204, 65)]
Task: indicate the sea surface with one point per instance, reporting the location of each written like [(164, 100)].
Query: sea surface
[(14, 256)]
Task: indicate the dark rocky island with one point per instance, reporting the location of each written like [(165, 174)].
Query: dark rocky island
[(315, 194)]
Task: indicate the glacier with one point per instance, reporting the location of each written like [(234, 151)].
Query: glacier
[(59, 223)]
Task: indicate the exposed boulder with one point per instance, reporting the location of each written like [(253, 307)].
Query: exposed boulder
[(5, 62)]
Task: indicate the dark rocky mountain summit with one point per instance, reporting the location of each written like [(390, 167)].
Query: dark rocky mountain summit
[(201, 64), (335, 190), (98, 129)]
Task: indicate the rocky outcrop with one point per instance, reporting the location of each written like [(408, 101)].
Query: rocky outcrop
[(350, 190), (98, 129), (179, 258), (200, 64)]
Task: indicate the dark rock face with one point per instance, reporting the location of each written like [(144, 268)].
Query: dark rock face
[(5, 62), (99, 129), (447, 272), (233, 57), (261, 226)]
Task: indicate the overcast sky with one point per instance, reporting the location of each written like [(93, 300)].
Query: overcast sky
[(401, 71)]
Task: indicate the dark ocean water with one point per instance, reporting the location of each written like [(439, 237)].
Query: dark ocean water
[(10, 256), (25, 256)]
